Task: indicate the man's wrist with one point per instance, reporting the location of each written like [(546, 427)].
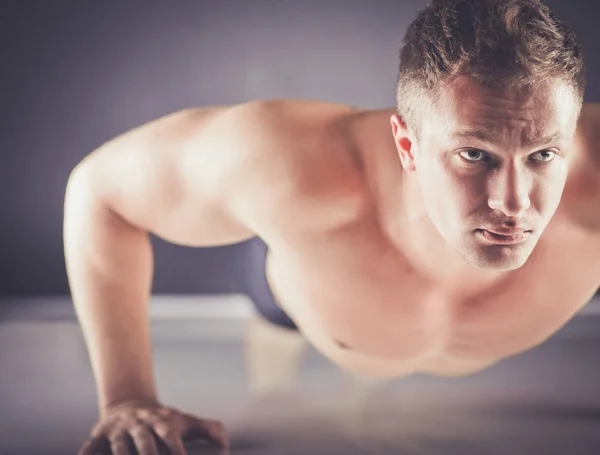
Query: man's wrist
[(116, 406)]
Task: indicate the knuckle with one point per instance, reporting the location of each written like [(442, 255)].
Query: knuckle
[(98, 430), (164, 430), (147, 418), (165, 412), (114, 433), (136, 423), (213, 425), (144, 413), (139, 430)]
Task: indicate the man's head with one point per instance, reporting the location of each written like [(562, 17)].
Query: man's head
[(489, 93)]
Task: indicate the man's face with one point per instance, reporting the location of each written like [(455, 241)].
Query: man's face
[(492, 161)]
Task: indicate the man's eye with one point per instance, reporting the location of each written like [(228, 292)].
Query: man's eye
[(472, 155), (546, 155)]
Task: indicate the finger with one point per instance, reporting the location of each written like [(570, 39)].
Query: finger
[(211, 429), (94, 446), (120, 444), (170, 438), (144, 442), (175, 445)]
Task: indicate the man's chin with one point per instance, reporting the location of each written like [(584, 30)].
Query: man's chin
[(497, 260), (506, 267)]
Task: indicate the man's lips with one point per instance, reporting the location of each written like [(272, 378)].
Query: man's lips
[(502, 239), (504, 231)]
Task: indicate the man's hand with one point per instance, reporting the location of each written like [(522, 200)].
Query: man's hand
[(145, 427)]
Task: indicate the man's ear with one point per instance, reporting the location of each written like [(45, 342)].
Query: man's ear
[(402, 139)]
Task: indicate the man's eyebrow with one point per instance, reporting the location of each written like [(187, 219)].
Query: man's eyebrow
[(490, 138)]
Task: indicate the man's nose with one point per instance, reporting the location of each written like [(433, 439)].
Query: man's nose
[(509, 191)]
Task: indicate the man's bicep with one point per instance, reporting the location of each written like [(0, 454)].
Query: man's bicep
[(143, 175)]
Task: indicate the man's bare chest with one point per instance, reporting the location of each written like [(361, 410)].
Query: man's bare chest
[(362, 304)]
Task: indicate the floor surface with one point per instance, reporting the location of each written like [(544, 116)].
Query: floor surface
[(545, 401)]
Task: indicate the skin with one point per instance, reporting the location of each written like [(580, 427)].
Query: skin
[(513, 181), (427, 212), (371, 232)]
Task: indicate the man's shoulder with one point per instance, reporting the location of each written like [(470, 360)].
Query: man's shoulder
[(582, 192), (296, 138), (300, 158), (296, 123), (589, 130)]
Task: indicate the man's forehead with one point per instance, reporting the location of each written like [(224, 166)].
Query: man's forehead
[(474, 101), (466, 109), (495, 136), (464, 87)]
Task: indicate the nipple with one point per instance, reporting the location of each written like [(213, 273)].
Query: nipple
[(342, 345)]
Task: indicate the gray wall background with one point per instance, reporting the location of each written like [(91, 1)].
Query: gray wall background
[(76, 73)]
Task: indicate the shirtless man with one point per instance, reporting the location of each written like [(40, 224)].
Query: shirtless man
[(459, 229)]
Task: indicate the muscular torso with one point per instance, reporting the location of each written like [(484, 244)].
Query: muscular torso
[(360, 300), (361, 304)]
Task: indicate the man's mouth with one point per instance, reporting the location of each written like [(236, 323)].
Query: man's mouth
[(503, 239)]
